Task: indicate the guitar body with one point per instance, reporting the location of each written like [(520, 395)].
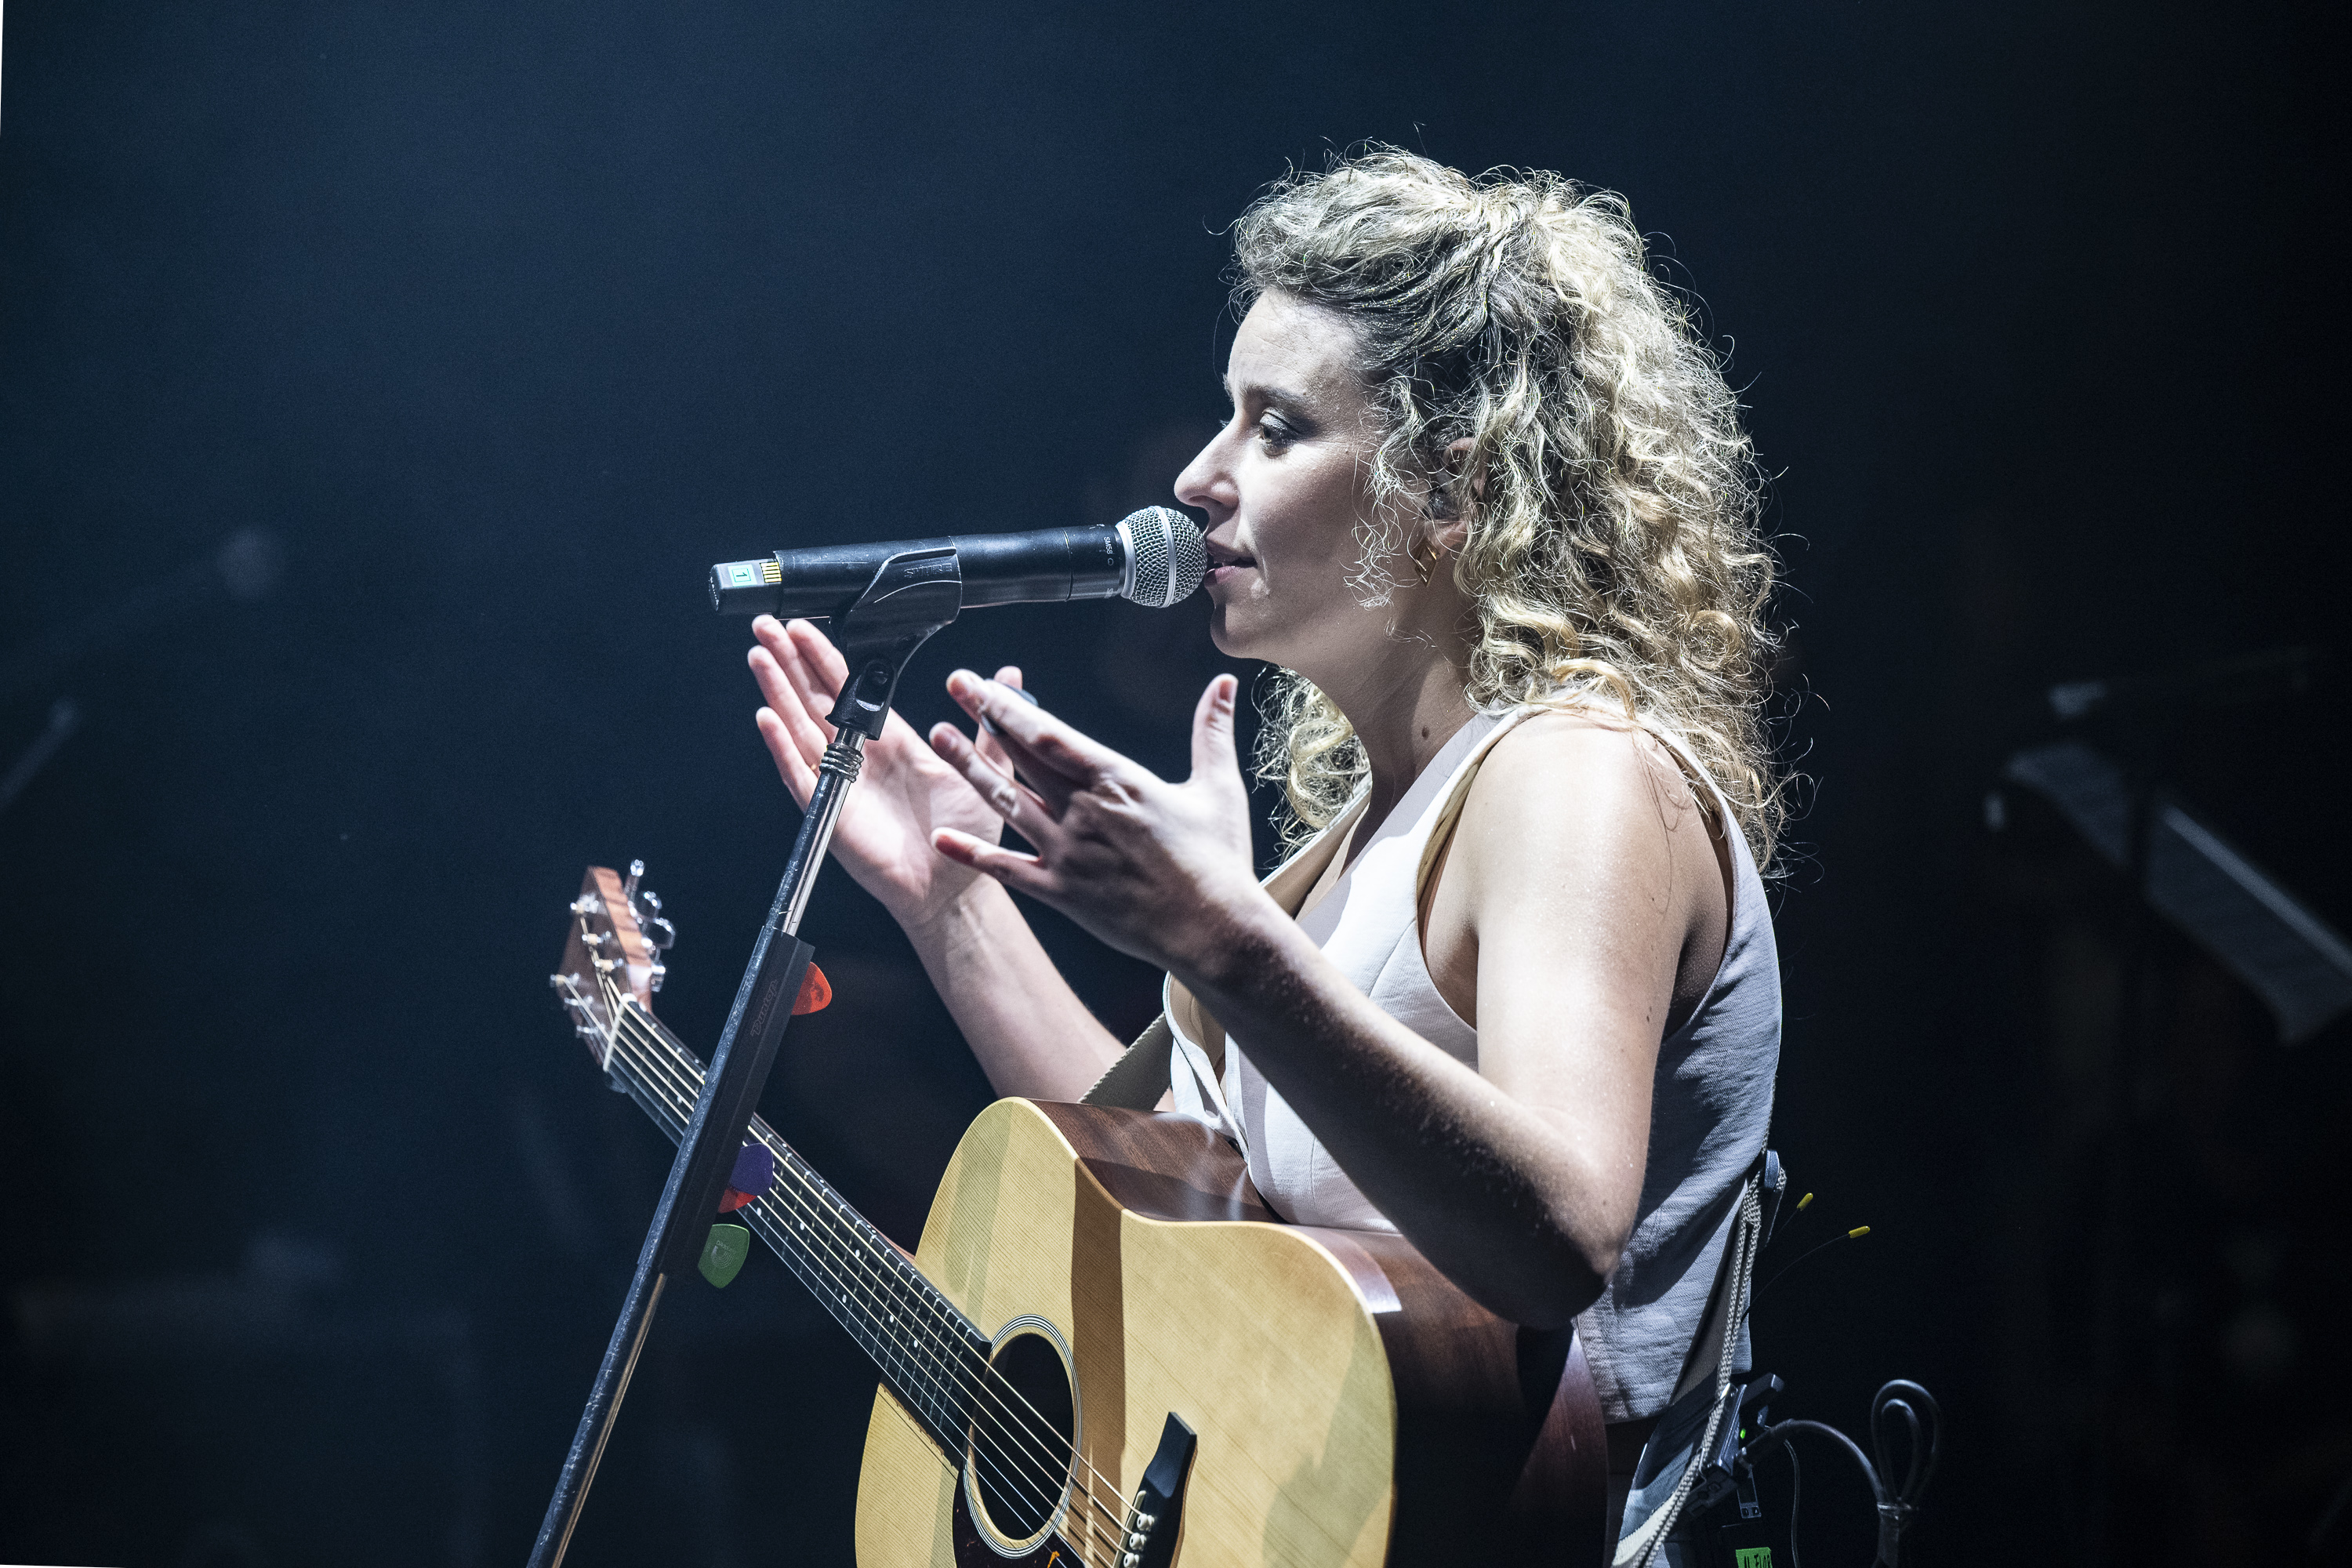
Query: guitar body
[(1107, 1353), (1351, 1406)]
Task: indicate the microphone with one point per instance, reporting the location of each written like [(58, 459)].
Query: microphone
[(1155, 557)]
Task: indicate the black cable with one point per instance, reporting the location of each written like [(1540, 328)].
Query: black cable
[(1822, 1247), (1749, 1310), (1782, 1432), (1910, 1403), (1908, 1398), (1796, 1496)]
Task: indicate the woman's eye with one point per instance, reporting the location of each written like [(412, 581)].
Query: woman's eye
[(1274, 433)]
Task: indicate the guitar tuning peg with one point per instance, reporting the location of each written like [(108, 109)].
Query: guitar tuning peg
[(659, 933), (647, 907)]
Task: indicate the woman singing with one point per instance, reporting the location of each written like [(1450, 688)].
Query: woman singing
[(1484, 499)]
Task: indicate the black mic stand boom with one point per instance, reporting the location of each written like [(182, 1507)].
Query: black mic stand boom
[(912, 594)]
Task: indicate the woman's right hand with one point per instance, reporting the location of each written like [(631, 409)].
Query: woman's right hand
[(905, 791)]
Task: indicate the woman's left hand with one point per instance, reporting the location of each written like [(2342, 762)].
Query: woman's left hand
[(1157, 869)]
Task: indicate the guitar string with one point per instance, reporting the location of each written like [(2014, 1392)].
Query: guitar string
[(1011, 1424), (680, 1068), (686, 1074), (1022, 1482), (681, 1087), (1042, 1462)]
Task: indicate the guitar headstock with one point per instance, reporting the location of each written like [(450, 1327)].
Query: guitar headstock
[(618, 937)]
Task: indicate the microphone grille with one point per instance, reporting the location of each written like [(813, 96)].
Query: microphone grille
[(1165, 556)]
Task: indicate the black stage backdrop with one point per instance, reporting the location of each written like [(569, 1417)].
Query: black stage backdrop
[(377, 381)]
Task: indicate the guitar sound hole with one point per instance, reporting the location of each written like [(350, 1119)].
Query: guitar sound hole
[(1022, 1435)]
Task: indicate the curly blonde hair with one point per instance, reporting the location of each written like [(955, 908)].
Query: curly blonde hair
[(1612, 496)]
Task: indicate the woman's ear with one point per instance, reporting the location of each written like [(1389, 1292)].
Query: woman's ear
[(1450, 531), (1444, 527), (1457, 459)]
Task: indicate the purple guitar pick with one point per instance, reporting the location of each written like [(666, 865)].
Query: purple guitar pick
[(755, 1170)]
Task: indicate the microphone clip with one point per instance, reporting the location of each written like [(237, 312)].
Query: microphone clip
[(912, 594)]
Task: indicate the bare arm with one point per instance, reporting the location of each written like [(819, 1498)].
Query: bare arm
[(1520, 1181), (1032, 1034)]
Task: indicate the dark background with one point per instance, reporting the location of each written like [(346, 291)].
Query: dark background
[(377, 381)]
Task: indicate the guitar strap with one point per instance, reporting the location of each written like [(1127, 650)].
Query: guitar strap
[(1139, 1076)]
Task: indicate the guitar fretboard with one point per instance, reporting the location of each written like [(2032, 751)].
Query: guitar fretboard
[(932, 1357)]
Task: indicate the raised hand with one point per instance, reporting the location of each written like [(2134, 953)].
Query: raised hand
[(1157, 869), (905, 794)]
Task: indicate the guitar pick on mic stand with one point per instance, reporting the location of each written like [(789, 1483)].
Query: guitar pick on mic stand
[(911, 596)]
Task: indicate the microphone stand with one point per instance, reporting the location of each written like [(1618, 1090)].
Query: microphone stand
[(910, 597)]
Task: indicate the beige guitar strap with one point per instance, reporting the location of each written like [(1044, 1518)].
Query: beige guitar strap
[(1139, 1076)]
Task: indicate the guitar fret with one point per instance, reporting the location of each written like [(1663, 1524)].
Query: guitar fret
[(933, 1357), (931, 1354)]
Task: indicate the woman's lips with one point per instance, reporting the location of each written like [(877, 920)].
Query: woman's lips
[(1225, 563)]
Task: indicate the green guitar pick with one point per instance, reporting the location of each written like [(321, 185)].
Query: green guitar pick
[(723, 1254)]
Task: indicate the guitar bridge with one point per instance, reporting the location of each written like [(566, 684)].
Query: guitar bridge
[(1149, 1537)]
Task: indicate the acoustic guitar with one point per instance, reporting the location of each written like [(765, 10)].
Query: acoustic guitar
[(1107, 1351)]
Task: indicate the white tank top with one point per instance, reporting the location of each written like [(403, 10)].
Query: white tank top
[(1710, 1107)]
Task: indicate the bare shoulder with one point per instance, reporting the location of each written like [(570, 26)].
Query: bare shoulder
[(1582, 859), (1574, 780)]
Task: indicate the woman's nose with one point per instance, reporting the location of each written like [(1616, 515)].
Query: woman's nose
[(1205, 483)]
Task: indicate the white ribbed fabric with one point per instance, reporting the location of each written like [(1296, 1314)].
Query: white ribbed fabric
[(1710, 1108)]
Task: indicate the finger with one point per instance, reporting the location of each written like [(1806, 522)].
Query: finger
[(986, 739), (822, 658), (789, 702), (777, 639), (990, 746), (1007, 756), (1051, 790), (1022, 807), (792, 660), (1213, 747), (798, 776), (811, 689), (1038, 743), (1022, 873)]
